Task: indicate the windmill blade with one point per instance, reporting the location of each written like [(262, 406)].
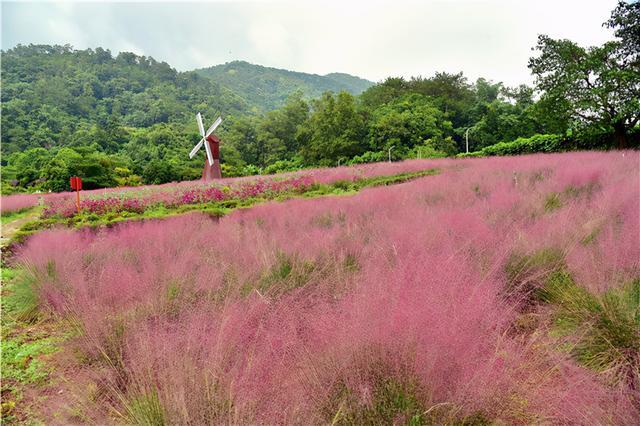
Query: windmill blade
[(196, 148), (200, 125), (213, 126), (209, 155)]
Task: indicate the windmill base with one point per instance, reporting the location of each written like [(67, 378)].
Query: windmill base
[(211, 172)]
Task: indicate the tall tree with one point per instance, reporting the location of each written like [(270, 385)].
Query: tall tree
[(596, 85), (408, 122), (334, 130)]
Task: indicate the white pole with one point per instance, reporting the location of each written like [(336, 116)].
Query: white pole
[(339, 161), (392, 146), (466, 136)]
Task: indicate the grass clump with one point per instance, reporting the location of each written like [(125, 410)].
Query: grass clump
[(552, 202), (527, 274), (16, 214), (146, 409), (604, 330), (379, 395), (287, 273), (392, 400)]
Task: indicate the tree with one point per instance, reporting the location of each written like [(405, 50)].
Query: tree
[(451, 93), (278, 130), (241, 134), (157, 171), (597, 85), (334, 130), (625, 20), (408, 122)]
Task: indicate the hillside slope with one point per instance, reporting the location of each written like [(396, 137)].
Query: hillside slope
[(268, 88), (49, 93)]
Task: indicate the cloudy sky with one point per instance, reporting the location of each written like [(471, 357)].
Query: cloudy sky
[(372, 39)]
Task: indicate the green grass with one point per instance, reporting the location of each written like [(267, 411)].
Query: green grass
[(600, 331), (145, 409), (528, 273), (392, 399), (15, 215), (604, 330), (24, 344), (556, 200), (552, 202)]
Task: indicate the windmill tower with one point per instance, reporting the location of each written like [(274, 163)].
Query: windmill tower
[(211, 144)]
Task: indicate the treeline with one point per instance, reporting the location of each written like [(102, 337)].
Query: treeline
[(129, 119)]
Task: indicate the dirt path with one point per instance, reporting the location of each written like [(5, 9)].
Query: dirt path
[(9, 229)]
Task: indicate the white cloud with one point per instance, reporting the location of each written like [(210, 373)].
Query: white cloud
[(374, 39)]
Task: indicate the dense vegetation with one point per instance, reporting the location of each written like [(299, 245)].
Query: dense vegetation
[(128, 120), (267, 88)]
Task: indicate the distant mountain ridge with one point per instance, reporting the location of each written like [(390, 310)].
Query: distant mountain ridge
[(268, 88)]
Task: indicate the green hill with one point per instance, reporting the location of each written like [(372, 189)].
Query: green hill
[(50, 93), (268, 88)]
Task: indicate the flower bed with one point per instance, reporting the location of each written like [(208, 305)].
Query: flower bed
[(138, 199)]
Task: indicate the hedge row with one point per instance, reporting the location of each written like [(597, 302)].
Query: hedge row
[(536, 143)]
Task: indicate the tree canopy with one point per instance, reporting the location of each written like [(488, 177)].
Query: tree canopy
[(598, 85)]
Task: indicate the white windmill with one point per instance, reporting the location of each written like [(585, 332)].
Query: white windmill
[(212, 146)]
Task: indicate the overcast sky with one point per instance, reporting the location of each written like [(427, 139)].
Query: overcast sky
[(371, 39)]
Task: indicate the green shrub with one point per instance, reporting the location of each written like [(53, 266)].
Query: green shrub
[(368, 157), (283, 166), (536, 143)]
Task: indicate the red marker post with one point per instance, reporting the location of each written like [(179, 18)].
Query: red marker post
[(76, 184)]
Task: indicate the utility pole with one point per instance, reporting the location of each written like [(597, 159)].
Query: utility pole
[(392, 146), (466, 137)]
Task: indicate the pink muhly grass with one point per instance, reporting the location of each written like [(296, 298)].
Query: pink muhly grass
[(309, 311), (17, 202)]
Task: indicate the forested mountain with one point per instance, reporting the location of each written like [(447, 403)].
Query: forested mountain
[(50, 92), (268, 88)]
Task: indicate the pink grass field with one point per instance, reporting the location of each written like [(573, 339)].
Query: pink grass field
[(14, 203), (389, 306), (172, 194)]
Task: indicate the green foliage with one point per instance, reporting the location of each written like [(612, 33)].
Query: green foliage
[(15, 215), (267, 88), (407, 122), (528, 273), (23, 352), (146, 409), (51, 92), (286, 274), (392, 402), (597, 86), (501, 115), (334, 130), (283, 166), (368, 157), (552, 202), (604, 330), (536, 143)]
